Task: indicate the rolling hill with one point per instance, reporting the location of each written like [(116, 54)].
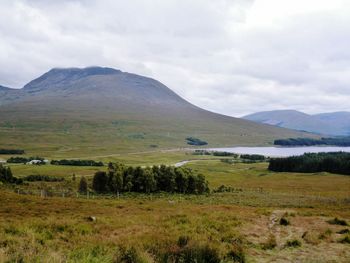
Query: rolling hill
[(335, 123), (95, 110)]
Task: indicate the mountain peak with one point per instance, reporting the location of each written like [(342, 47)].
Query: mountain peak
[(59, 76)]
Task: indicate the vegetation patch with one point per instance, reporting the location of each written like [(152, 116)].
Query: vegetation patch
[(76, 162), (344, 231), (195, 141), (345, 240), (39, 160), (341, 141), (337, 221), (284, 221), (11, 151), (293, 243)]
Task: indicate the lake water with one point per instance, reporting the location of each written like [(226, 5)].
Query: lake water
[(281, 151)]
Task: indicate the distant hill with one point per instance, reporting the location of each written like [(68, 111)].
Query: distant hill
[(335, 123), (83, 112)]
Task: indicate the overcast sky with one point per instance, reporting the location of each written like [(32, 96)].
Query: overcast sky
[(230, 56)]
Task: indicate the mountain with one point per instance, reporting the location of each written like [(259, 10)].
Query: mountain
[(79, 112), (334, 124)]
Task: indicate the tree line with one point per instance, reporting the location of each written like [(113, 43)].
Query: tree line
[(336, 162), (253, 157), (20, 159), (337, 141), (7, 177), (120, 178), (11, 151), (76, 162)]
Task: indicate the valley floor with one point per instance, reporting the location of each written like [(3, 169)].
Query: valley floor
[(243, 225)]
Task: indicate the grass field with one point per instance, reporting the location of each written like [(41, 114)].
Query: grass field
[(238, 226)]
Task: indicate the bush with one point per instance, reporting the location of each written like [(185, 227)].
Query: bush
[(345, 240), (344, 231), (337, 221), (293, 243), (284, 221)]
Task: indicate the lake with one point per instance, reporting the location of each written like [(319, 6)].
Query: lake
[(281, 151)]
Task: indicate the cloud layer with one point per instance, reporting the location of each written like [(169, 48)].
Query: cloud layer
[(229, 56)]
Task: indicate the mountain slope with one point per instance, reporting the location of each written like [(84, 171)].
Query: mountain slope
[(102, 110), (337, 123)]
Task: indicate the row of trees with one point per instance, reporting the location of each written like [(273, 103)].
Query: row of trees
[(11, 151), (20, 159), (338, 141), (253, 157), (336, 162), (120, 178), (76, 162)]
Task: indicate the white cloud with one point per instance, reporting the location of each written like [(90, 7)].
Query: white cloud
[(229, 56)]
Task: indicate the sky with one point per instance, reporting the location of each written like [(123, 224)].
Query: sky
[(233, 57)]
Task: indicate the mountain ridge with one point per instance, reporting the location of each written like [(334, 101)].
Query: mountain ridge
[(332, 123)]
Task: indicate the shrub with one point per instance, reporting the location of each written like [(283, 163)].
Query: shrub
[(284, 221), (183, 241), (337, 221), (345, 240), (293, 243), (344, 231)]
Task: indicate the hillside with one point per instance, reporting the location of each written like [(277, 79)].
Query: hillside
[(93, 111), (336, 123)]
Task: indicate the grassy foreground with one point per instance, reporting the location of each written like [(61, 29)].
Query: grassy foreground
[(243, 225)]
